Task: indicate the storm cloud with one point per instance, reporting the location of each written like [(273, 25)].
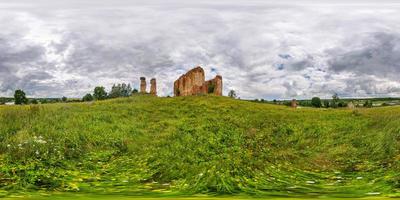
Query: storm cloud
[(291, 49)]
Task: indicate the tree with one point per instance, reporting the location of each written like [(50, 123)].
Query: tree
[(135, 91), (20, 97), (34, 101), (368, 104), (120, 90), (115, 91), (99, 93), (232, 94), (335, 100), (326, 104), (87, 97), (335, 97), (126, 90), (342, 104), (3, 101), (64, 99), (316, 102)]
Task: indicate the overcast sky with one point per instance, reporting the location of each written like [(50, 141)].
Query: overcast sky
[(262, 49)]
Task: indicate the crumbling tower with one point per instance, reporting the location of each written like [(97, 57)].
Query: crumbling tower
[(142, 85), (153, 87), (193, 83)]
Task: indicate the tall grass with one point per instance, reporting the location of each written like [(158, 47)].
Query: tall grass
[(202, 144)]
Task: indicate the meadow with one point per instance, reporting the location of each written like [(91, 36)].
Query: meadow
[(208, 145)]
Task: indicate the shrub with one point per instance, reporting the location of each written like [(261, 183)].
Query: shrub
[(316, 102), (211, 88), (87, 97)]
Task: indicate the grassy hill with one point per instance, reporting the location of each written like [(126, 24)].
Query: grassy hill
[(205, 144)]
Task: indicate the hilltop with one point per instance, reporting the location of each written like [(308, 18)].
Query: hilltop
[(199, 144)]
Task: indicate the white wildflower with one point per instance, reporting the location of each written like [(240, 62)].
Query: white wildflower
[(310, 182), (41, 141)]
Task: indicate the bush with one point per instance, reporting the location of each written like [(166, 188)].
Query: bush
[(342, 104), (316, 102), (368, 104), (34, 101), (87, 97)]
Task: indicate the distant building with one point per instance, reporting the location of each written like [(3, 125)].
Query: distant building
[(294, 103), (9, 103), (351, 105)]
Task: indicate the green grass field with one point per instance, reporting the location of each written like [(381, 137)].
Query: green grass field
[(174, 147), (113, 197)]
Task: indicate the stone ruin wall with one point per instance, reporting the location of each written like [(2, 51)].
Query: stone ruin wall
[(193, 83), (143, 86), (153, 87)]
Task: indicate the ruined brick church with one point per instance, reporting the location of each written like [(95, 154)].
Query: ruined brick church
[(194, 83)]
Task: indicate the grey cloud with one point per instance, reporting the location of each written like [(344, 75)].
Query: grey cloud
[(369, 86), (14, 60), (378, 55)]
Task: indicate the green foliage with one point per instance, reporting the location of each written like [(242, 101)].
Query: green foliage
[(64, 99), (232, 94), (88, 97), (33, 101), (316, 102), (211, 88), (368, 104), (20, 97), (202, 144), (335, 100), (99, 93), (342, 104), (120, 90), (335, 97), (326, 104)]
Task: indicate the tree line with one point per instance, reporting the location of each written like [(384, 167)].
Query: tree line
[(99, 93), (117, 90), (335, 102)]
